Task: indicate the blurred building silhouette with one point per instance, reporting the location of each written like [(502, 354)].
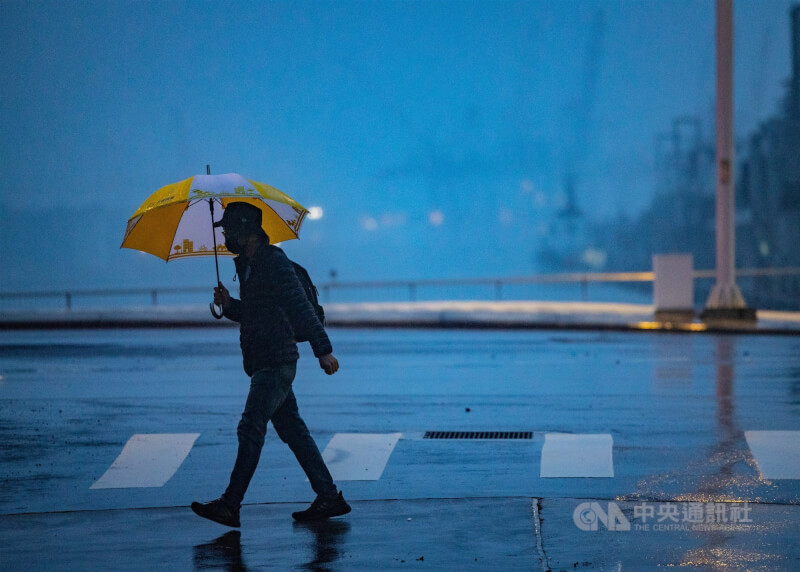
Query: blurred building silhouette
[(681, 216), (768, 192)]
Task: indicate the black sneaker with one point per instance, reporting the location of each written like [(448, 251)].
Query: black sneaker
[(323, 508), (217, 511)]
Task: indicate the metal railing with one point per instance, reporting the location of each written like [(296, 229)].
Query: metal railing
[(496, 284), (69, 295)]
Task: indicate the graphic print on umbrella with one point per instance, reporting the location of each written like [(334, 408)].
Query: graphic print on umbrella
[(177, 220)]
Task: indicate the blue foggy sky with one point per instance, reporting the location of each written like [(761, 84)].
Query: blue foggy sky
[(435, 135)]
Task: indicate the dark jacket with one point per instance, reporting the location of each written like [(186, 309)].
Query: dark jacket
[(273, 306)]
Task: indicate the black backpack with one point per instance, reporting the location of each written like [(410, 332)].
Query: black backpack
[(313, 296)]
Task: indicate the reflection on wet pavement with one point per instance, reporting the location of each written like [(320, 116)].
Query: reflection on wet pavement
[(324, 541), (725, 455), (327, 542), (223, 553)]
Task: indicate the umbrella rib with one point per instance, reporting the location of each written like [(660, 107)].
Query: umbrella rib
[(192, 202), (159, 207), (174, 234), (130, 230), (280, 217), (300, 218)]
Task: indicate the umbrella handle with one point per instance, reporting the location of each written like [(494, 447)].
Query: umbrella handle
[(212, 306), (217, 314)]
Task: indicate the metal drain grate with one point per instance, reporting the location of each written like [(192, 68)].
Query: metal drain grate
[(478, 435)]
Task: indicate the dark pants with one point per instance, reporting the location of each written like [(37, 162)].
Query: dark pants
[(271, 399)]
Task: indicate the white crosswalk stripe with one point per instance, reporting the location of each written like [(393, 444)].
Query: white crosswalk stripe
[(577, 455), (777, 453), (359, 456), (147, 460)]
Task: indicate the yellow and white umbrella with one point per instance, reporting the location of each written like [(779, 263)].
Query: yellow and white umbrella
[(177, 220)]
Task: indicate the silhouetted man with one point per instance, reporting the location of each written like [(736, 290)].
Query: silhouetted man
[(272, 308)]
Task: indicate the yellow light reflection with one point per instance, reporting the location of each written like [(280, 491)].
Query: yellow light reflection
[(683, 327)]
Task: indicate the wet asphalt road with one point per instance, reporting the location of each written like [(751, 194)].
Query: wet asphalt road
[(677, 407)]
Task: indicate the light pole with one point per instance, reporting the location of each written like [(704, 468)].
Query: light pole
[(725, 301)]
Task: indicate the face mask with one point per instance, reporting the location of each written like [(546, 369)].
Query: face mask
[(232, 243)]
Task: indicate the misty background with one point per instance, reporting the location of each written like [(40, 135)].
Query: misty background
[(438, 138)]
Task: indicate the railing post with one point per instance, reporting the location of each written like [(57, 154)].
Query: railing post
[(154, 295), (585, 290), (498, 290), (412, 292), (69, 301)]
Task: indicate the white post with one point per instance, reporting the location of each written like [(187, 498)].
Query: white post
[(673, 287), (725, 300)]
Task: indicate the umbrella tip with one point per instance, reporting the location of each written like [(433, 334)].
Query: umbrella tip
[(208, 169)]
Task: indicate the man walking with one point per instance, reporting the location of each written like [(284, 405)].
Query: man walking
[(272, 313)]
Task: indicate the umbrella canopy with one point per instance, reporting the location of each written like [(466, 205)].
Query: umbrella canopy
[(175, 222)]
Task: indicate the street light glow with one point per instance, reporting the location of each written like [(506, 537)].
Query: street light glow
[(369, 223), (436, 217)]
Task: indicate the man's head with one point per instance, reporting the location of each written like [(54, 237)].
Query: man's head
[(239, 222)]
